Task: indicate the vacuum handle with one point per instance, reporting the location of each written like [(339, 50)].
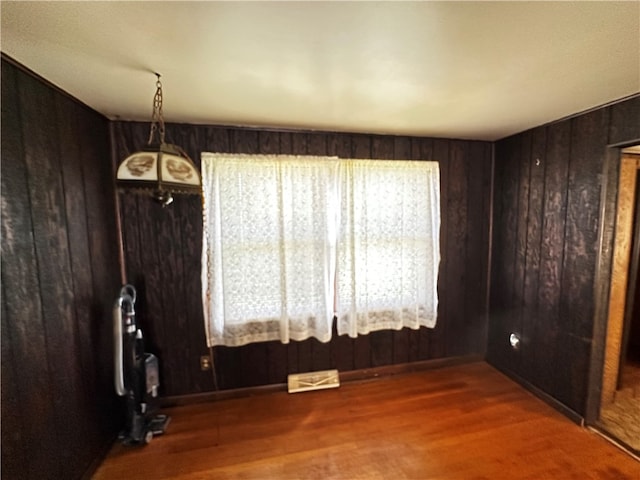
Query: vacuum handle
[(118, 347), (130, 290)]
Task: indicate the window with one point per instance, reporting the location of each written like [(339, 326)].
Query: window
[(388, 245), (290, 241)]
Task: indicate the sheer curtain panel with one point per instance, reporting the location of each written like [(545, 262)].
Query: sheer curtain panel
[(268, 247), (388, 249)]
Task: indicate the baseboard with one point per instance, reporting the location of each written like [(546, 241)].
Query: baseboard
[(192, 398), (571, 414), (365, 374), (402, 368)]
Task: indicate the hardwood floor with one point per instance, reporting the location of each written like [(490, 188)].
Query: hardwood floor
[(461, 422)]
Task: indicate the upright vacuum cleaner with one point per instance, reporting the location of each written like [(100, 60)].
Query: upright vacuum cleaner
[(136, 373)]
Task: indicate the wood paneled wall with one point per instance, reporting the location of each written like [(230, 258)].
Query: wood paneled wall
[(547, 225), (59, 278), (163, 248)]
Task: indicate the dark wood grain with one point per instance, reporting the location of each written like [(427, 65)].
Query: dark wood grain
[(568, 250), (588, 135), (504, 314), (13, 429), (170, 249), (46, 199), (456, 248), (56, 249), (624, 124), (243, 141), (570, 382), (476, 258), (93, 138), (530, 311), (522, 157), (125, 143), (550, 289), (606, 239), (78, 356), (19, 279), (169, 222)]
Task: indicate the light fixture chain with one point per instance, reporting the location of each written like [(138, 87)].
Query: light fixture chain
[(157, 119)]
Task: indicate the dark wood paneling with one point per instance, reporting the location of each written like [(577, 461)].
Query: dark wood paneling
[(433, 342), (456, 248), (625, 130), (93, 137), (270, 362), (523, 154), (70, 274), (550, 288), (14, 461), (555, 206), (476, 261), (547, 204), (44, 190), (60, 411), (530, 312), (504, 316), (22, 309), (624, 125), (588, 135)]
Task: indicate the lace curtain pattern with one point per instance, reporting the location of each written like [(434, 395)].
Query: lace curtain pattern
[(290, 240), (268, 248), (388, 247)]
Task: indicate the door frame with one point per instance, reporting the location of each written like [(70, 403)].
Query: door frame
[(623, 241), (612, 250)]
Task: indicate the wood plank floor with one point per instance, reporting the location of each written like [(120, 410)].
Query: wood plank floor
[(462, 422)]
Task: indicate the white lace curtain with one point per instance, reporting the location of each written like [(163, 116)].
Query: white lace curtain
[(276, 228), (268, 247), (388, 249)]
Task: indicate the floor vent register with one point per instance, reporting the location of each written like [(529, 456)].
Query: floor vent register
[(304, 382)]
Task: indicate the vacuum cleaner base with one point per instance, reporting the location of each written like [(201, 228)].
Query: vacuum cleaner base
[(145, 429), (158, 424)]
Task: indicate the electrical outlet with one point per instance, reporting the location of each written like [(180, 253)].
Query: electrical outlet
[(205, 363)]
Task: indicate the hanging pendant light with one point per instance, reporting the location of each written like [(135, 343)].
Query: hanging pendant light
[(159, 169)]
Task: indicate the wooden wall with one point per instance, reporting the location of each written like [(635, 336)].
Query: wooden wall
[(163, 248), (546, 253), (59, 278)]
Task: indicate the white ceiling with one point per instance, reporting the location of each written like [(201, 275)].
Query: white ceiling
[(477, 70)]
